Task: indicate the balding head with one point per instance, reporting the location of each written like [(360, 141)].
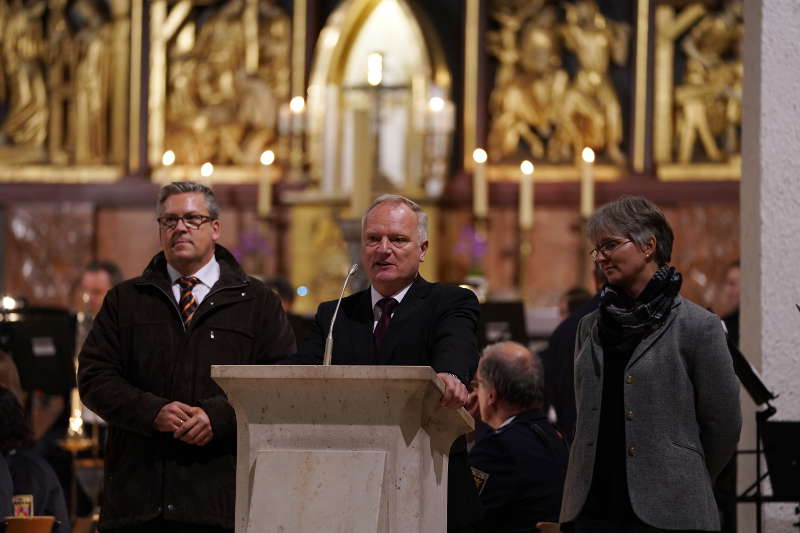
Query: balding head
[(514, 373)]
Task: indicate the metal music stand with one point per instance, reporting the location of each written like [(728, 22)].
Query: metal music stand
[(771, 433)]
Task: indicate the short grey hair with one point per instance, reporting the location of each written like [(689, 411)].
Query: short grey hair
[(637, 219), (422, 217), (182, 187), (518, 381)]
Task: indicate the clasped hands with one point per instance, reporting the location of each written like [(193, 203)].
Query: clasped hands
[(186, 423)]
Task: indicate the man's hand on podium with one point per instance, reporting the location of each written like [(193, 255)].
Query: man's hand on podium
[(197, 429), (455, 393)]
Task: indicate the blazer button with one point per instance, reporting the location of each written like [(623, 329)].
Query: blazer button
[(632, 451), (629, 415), (629, 379)]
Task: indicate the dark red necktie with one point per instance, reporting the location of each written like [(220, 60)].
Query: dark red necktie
[(187, 303), (387, 306)]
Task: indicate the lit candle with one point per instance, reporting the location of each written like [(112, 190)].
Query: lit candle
[(375, 68), (297, 108), (480, 189), (206, 169), (587, 182), (265, 184), (526, 195)]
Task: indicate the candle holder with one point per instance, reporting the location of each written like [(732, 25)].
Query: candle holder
[(481, 225), (525, 251), (583, 252)]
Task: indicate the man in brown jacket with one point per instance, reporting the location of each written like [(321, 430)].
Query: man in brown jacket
[(145, 368)]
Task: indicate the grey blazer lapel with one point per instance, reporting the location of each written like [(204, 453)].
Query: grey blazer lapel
[(648, 341), (596, 348)]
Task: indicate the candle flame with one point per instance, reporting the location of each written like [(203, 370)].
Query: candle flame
[(479, 156), (436, 104), (588, 155), (375, 68), (526, 167), (267, 157), (297, 104), (168, 158)]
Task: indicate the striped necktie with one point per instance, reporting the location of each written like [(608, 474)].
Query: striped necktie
[(187, 303)]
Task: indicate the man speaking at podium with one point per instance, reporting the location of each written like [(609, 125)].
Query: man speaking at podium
[(404, 320)]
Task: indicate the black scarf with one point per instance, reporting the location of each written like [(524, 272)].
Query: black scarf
[(625, 321)]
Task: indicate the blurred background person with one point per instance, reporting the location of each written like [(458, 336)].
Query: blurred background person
[(97, 279), (30, 474), (286, 293), (572, 300), (657, 399), (559, 354), (725, 485), (729, 305), (518, 465)]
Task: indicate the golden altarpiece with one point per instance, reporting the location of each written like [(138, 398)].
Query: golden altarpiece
[(311, 108)]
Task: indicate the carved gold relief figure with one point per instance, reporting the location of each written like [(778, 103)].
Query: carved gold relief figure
[(705, 106), (91, 79), (529, 84), (217, 108), (56, 58), (535, 101), (24, 128), (710, 99), (592, 112)]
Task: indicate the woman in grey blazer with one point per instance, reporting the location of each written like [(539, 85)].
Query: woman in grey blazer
[(657, 398)]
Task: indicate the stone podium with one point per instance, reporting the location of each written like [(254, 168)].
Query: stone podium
[(356, 449)]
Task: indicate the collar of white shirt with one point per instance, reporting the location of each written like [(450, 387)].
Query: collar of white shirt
[(507, 422), (376, 297), (208, 274)]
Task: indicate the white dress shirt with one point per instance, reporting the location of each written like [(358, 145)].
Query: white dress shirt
[(376, 297), (208, 276)]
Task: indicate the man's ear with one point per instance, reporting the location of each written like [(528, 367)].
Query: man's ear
[(215, 230), (423, 250), (491, 396)]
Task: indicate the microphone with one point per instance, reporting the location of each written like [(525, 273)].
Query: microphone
[(326, 359)]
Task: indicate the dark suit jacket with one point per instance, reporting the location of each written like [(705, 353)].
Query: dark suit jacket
[(520, 470), (557, 358), (435, 325)]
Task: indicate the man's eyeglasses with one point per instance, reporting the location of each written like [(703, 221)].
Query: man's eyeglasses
[(607, 248), (191, 221)]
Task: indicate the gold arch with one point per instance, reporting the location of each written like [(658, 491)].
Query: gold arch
[(357, 14)]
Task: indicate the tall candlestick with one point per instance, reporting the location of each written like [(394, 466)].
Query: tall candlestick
[(526, 195), (587, 182), (480, 189)]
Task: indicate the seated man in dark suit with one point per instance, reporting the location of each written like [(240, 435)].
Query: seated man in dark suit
[(519, 466), (404, 320)]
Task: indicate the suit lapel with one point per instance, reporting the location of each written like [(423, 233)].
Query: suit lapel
[(597, 349), (648, 341), (359, 330), (405, 313)]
